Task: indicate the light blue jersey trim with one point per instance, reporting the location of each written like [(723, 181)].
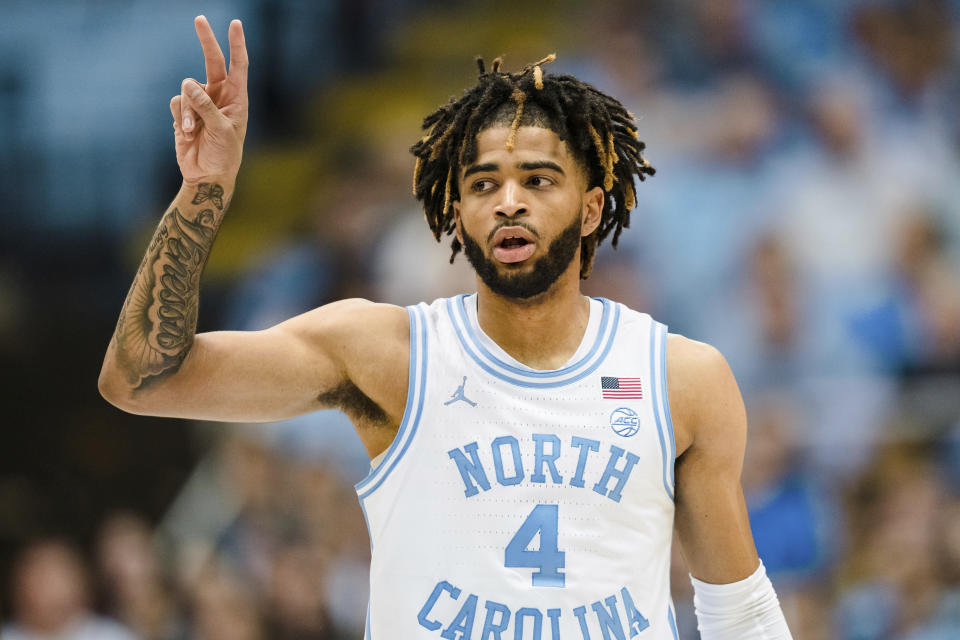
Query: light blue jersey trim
[(589, 367), (416, 388), (657, 373), (673, 622), (471, 333), (366, 521), (665, 399)]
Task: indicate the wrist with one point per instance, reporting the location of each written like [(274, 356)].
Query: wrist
[(213, 192), (226, 182), (743, 610)]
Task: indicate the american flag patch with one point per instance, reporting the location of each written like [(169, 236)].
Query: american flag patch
[(620, 388)]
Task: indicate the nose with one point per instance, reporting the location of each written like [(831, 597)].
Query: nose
[(511, 201)]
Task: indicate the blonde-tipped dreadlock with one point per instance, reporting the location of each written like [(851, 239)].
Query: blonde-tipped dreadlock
[(598, 130), (519, 97)]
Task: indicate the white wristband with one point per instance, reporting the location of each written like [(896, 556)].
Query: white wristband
[(744, 610)]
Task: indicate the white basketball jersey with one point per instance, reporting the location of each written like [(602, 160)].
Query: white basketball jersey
[(521, 504)]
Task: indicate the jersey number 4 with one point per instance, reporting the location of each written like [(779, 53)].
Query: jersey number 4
[(548, 559)]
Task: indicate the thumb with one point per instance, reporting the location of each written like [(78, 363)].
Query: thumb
[(198, 99)]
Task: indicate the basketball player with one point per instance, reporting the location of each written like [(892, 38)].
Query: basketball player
[(532, 449)]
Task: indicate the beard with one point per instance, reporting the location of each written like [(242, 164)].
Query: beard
[(546, 270)]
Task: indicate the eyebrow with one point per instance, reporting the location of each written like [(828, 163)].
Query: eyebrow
[(523, 166), (480, 168), (540, 164)]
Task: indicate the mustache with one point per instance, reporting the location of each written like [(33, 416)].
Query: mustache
[(513, 223)]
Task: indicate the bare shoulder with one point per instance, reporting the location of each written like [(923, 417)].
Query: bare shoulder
[(354, 319), (705, 401), (369, 340), (342, 314)]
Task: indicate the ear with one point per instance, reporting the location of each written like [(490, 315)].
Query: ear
[(592, 208), (456, 220)]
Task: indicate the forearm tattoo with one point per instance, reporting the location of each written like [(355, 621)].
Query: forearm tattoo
[(159, 318)]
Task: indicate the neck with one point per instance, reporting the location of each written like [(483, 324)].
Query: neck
[(542, 332)]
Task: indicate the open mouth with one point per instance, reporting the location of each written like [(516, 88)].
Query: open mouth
[(513, 245)]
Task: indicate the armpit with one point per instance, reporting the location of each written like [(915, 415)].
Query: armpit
[(358, 406)]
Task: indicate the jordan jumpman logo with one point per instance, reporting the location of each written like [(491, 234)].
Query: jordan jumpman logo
[(459, 395)]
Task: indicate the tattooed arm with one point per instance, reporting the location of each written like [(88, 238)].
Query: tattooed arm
[(349, 354), (159, 317)]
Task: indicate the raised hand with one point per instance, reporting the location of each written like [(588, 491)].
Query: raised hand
[(210, 120)]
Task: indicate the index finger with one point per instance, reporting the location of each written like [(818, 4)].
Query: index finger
[(212, 55), (238, 53)]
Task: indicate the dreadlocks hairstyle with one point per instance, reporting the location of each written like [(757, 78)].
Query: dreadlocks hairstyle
[(598, 130)]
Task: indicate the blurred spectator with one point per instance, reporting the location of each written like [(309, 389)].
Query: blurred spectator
[(134, 588), (296, 594), (768, 340), (931, 291), (702, 212), (889, 589), (793, 520), (52, 598), (911, 42), (275, 532), (409, 265), (793, 523), (263, 518), (838, 214), (225, 607)]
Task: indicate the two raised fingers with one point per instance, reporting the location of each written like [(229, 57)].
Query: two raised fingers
[(193, 104), (213, 55)]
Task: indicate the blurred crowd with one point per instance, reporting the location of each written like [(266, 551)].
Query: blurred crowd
[(805, 219)]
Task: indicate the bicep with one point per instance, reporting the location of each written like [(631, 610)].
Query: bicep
[(249, 376), (252, 376), (258, 376), (711, 514)]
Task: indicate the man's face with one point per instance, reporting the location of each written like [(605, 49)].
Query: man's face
[(522, 213)]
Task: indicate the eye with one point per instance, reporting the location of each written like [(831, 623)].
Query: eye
[(540, 181), (481, 186)]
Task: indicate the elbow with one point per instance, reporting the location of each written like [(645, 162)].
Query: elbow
[(115, 390), (119, 391), (109, 389)]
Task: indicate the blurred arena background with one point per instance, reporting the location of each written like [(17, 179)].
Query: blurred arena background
[(805, 219)]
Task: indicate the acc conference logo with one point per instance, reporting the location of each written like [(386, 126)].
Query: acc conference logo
[(624, 422)]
